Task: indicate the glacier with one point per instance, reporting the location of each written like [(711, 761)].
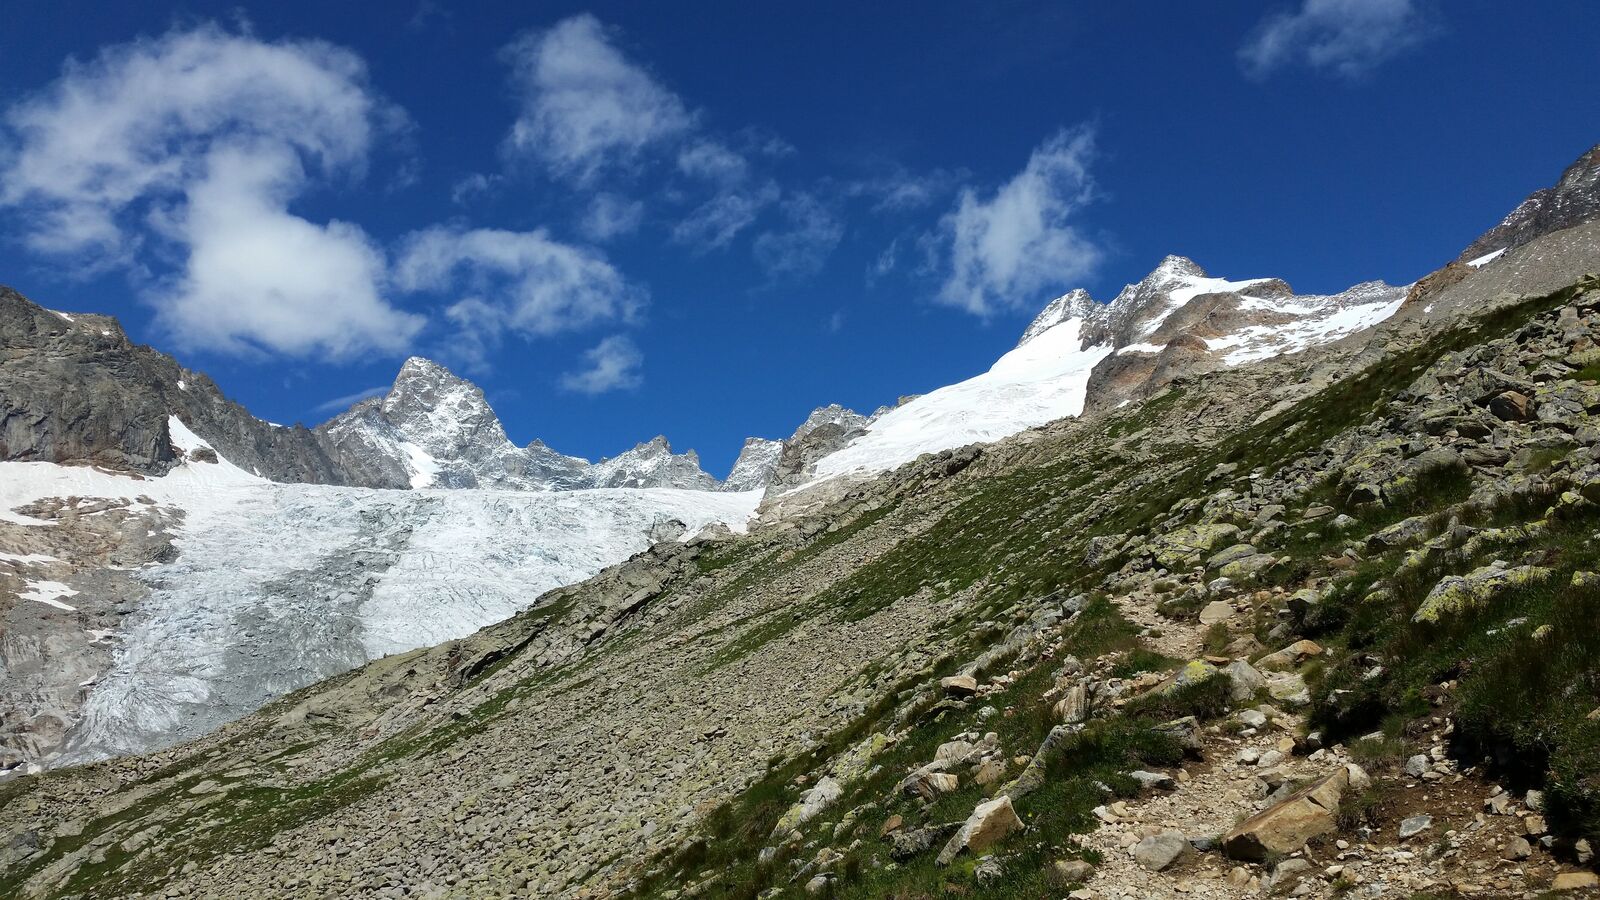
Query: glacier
[(276, 586)]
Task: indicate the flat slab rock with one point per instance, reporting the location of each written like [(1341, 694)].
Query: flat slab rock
[(1285, 827)]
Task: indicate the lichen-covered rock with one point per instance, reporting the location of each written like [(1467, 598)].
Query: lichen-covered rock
[(1186, 546), (811, 804), (1248, 567), (1457, 593)]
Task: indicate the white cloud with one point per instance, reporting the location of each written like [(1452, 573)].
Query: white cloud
[(613, 364), (610, 216), (1350, 37), (1001, 252), (192, 145), (801, 248), (260, 278), (586, 106), (520, 282), (719, 220)]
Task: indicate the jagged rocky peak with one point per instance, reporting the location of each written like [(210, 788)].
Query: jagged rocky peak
[(441, 411), (652, 464), (1573, 200), (832, 415), (753, 470), (436, 429)]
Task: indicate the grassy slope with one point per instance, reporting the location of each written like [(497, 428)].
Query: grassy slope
[(1015, 533)]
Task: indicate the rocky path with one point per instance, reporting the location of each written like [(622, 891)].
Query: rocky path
[(1438, 829)]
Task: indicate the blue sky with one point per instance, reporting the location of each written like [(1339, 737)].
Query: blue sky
[(705, 219)]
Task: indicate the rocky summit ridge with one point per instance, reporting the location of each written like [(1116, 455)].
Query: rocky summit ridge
[(1312, 624)]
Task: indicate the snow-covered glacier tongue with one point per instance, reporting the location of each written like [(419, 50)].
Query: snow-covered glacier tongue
[(275, 586), (1042, 379)]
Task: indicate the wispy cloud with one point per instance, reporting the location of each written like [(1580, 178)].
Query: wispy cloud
[(195, 144), (1001, 251), (902, 190), (712, 161), (339, 404), (802, 246), (1347, 37), (716, 222), (610, 216), (611, 365)]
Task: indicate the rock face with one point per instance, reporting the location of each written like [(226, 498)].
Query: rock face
[(828, 429), (1178, 321), (1571, 201), (74, 389), (757, 462)]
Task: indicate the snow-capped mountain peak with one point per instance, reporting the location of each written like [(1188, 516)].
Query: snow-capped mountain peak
[(1075, 304), (1079, 352)]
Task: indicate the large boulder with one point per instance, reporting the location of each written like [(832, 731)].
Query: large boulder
[(991, 821), (1285, 827), (1244, 680), (959, 685)]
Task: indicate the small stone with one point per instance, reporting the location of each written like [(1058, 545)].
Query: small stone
[(1153, 780), (1216, 611), (1069, 871), (959, 685), (1515, 849), (1418, 766), (1159, 851), (1414, 825)]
